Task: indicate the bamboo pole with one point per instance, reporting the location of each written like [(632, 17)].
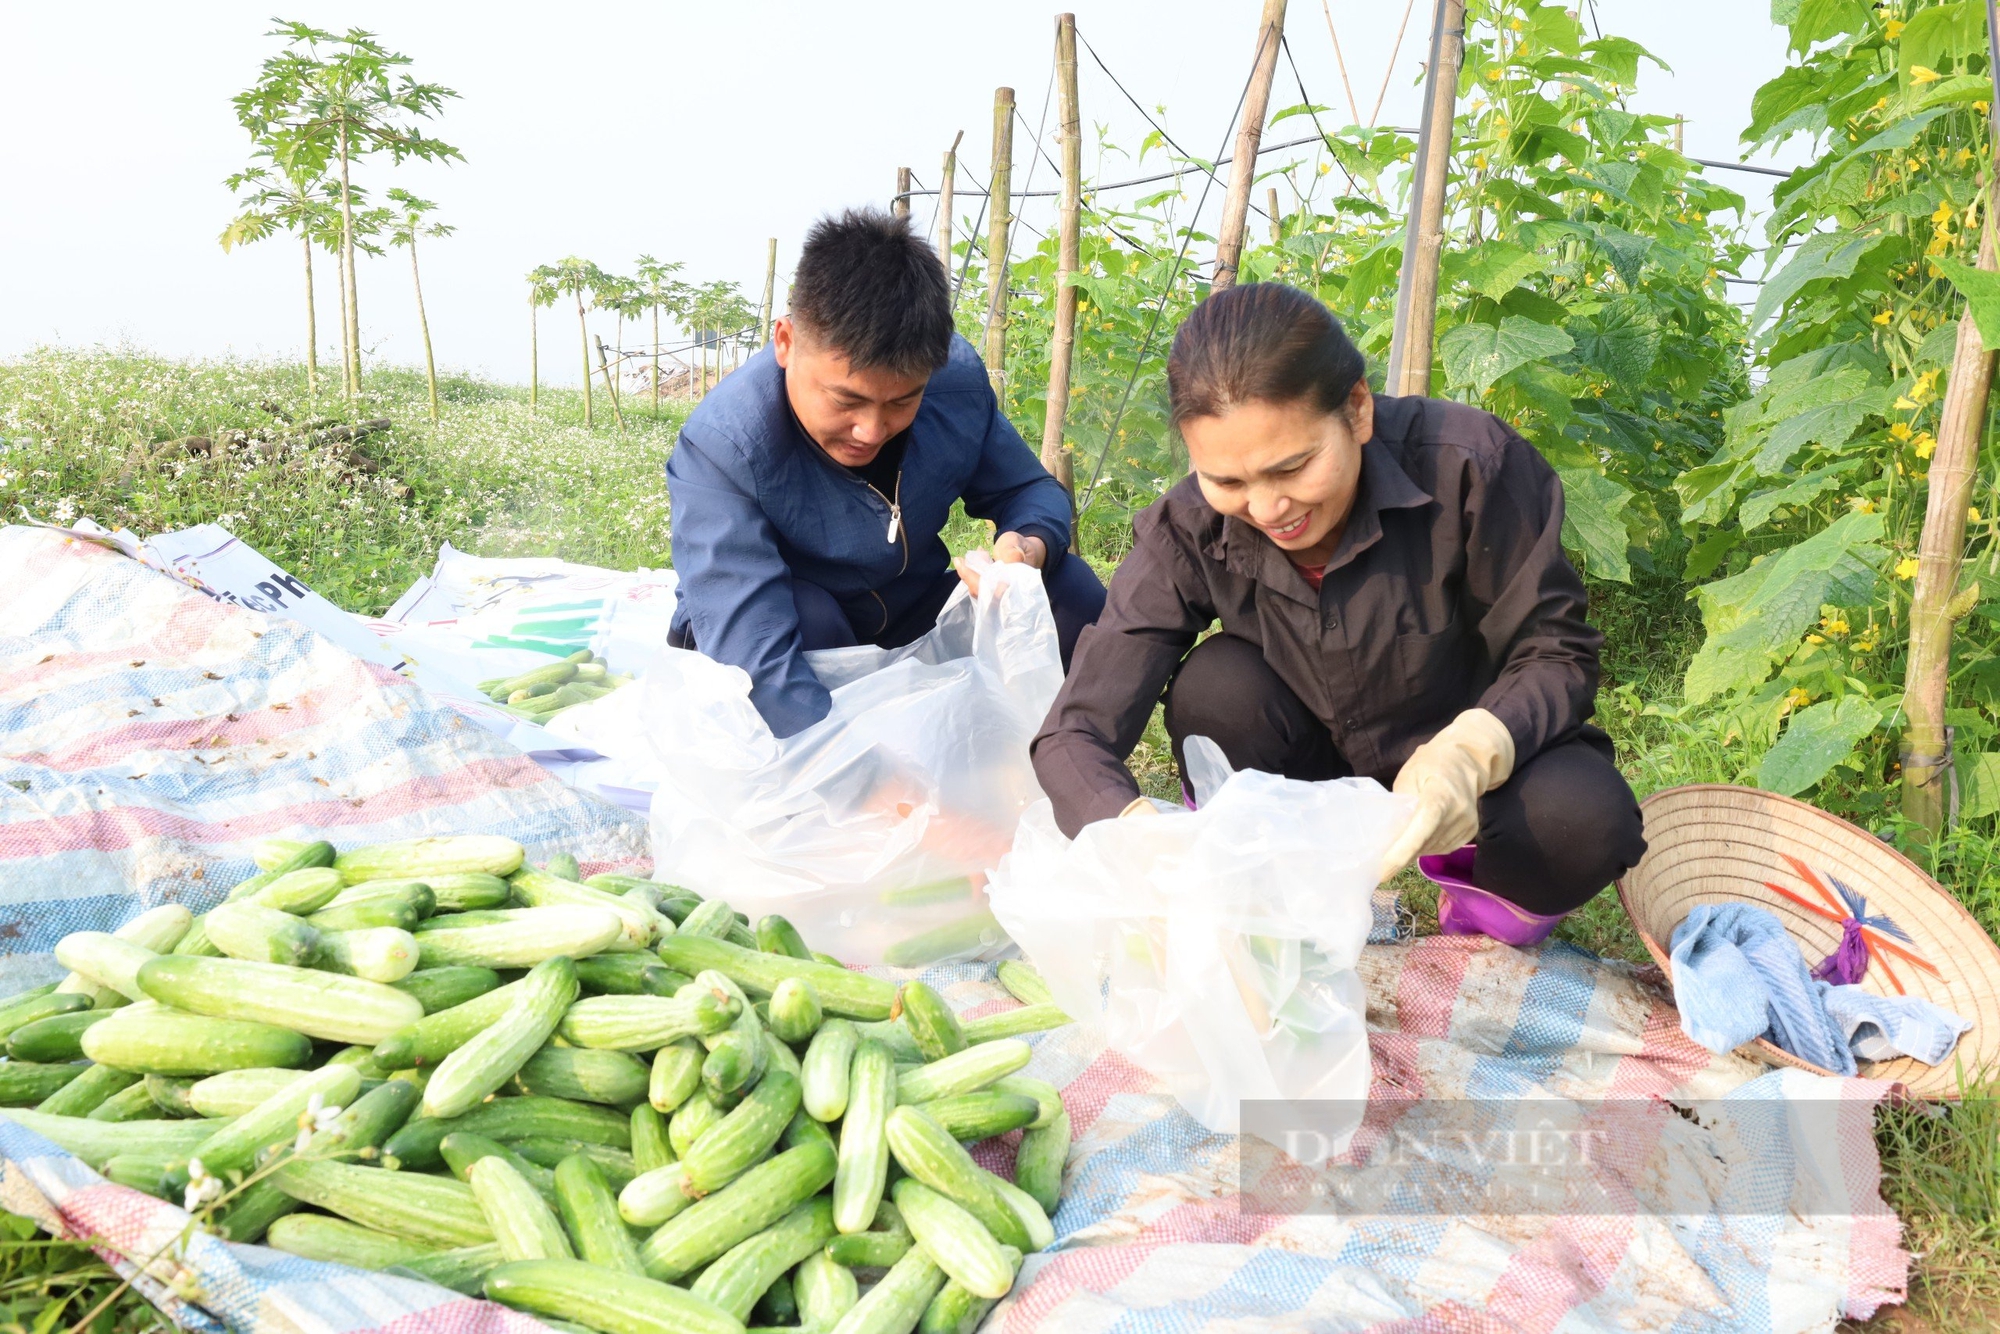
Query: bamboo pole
[(1056, 456), (1413, 344), (944, 201), (1277, 224), (1243, 171), (312, 320), (770, 290), (534, 352), (610, 385), (583, 336), (900, 205), (1000, 224), (1936, 604)]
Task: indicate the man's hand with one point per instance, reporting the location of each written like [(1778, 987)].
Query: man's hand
[(1008, 549)]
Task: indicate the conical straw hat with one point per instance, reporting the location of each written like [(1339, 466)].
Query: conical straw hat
[(1710, 843)]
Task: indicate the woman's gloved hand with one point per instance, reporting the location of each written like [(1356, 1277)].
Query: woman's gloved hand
[(1448, 775)]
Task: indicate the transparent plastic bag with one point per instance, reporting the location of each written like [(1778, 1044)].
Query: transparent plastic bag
[(1215, 946), (874, 829)]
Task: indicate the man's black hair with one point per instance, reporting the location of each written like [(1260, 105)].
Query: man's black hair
[(869, 288)]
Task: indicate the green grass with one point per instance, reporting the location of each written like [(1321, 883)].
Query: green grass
[(98, 434)]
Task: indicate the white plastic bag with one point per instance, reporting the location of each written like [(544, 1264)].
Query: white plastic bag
[(1216, 946), (874, 829)]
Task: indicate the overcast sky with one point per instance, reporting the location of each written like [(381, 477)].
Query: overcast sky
[(688, 131)]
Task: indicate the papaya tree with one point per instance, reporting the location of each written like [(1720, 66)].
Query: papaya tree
[(274, 198), (406, 225), (578, 278), (657, 290), (542, 291)]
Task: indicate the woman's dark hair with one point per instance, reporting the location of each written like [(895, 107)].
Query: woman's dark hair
[(1260, 343), (873, 290)]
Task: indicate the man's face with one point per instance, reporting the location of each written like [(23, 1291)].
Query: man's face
[(849, 413)]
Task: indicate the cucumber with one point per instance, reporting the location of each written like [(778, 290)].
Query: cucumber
[(971, 1117), (1023, 983), (97, 1143), (247, 930), (930, 1021), (712, 919), (691, 1120), (355, 1134), (1013, 1023), (43, 1003), (415, 893), (627, 975), (743, 1273), (320, 1005), (824, 1289), (616, 1164), (140, 1171), (335, 1241), (423, 1208), (886, 1242), (650, 1146), (462, 1269), (25, 1083), (493, 1055), (463, 1149), (779, 1056), (676, 1074), (623, 882), (522, 939), (422, 858), (740, 1210), (854, 995), (299, 892), (589, 1214), (1039, 1162), (463, 890), (742, 1138), (128, 1104), (960, 1245), (435, 1036), (652, 1197), (775, 935), (525, 1227), (971, 934), (509, 1120), (969, 1070), (895, 1035), (803, 1129), (796, 1013), (538, 889), (930, 1155), (378, 954), (170, 1093), (864, 1143), (956, 1309), (275, 856), (1041, 1232), (235, 1092), (610, 1077), (605, 1299), (397, 910), (443, 988), (196, 941), (88, 1091), (56, 1038), (235, 1146), (894, 1305), (778, 1307), (160, 1041), (823, 1071), (736, 1062), (646, 1023), (100, 963), (564, 866), (1043, 1092)]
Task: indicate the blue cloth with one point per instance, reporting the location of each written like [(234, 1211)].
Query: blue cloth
[(1738, 975), (756, 504)]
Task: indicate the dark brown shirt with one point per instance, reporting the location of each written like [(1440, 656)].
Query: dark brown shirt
[(1449, 590)]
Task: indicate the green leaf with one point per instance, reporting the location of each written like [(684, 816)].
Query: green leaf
[(1759, 508), (1815, 740), (1900, 135), (1619, 341), (1593, 523), (1498, 267), (1979, 786), (1706, 554), (1958, 88), (1824, 255), (1940, 34), (1479, 354), (1846, 400), (1627, 251), (1981, 290)]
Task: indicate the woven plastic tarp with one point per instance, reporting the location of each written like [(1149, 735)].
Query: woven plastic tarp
[(1153, 1239), (149, 734)]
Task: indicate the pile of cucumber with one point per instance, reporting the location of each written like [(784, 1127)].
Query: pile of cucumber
[(543, 692), (607, 1102)]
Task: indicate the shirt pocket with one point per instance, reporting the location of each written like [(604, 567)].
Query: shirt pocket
[(1437, 671)]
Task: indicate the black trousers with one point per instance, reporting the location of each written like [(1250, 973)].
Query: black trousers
[(1563, 827)]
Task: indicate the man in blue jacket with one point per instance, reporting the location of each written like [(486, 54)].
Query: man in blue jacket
[(810, 488)]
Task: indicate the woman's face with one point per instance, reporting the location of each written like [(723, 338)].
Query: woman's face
[(1289, 469)]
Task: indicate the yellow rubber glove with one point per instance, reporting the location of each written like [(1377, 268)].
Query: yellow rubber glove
[(1448, 775), (1139, 806)]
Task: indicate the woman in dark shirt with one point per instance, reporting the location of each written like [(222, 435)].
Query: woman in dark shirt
[(1394, 603)]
